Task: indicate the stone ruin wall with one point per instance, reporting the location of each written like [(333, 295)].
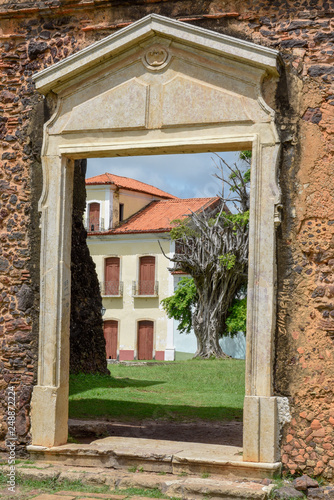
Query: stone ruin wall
[(36, 35)]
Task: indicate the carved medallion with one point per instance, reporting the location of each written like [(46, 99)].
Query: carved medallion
[(156, 57)]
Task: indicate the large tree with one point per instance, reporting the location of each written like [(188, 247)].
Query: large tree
[(212, 247)]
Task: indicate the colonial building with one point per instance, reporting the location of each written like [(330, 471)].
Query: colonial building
[(128, 251)]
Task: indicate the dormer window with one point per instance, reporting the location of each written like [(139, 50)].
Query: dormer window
[(121, 212)]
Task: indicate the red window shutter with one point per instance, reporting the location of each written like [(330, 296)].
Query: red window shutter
[(94, 217), (110, 329), (111, 276), (146, 275), (145, 339)]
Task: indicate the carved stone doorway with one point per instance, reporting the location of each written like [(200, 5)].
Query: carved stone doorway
[(158, 86)]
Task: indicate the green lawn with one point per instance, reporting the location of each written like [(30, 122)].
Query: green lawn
[(183, 356), (209, 390)]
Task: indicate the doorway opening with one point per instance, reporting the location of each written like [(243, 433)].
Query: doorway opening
[(145, 335), (110, 331), (135, 275), (209, 90)]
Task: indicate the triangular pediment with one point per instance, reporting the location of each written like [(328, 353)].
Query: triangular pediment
[(137, 33)]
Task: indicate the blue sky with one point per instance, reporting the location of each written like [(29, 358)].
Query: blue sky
[(183, 175)]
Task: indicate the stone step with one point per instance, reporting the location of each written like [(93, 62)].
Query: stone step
[(187, 488), (156, 456)]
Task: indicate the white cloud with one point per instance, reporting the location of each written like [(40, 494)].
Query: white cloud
[(183, 175)]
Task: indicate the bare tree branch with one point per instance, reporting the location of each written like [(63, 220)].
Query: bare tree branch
[(215, 253)]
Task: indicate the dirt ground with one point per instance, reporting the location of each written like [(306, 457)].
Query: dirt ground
[(199, 431)]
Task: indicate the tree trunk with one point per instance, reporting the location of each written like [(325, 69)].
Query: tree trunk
[(208, 323), (213, 249), (87, 344)]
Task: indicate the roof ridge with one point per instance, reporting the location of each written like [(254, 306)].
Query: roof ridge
[(117, 181), (140, 221), (177, 200)]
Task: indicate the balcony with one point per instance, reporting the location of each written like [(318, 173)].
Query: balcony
[(111, 288), (144, 288), (94, 226)]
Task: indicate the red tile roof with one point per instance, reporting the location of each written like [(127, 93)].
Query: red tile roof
[(158, 215), (127, 183)]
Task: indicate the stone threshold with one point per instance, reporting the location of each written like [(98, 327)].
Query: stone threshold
[(156, 456)]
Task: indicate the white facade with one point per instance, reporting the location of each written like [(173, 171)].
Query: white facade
[(127, 306)]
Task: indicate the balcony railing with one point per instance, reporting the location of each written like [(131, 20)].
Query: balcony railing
[(144, 288), (94, 226), (111, 288)]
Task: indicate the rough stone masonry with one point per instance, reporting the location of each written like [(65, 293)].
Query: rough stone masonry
[(35, 35)]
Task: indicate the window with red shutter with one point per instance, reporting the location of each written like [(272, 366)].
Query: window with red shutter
[(146, 275), (111, 276)]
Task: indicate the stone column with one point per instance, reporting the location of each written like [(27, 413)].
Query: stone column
[(260, 408), (49, 405), (170, 348)]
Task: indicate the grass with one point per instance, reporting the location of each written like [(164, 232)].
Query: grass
[(192, 389), (54, 485), (183, 356), (135, 468), (286, 480), (151, 493)]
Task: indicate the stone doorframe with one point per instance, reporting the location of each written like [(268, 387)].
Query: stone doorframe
[(158, 86)]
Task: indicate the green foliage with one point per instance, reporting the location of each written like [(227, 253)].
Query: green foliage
[(182, 230), (245, 155), (71, 439), (135, 468), (237, 313), (238, 220), (179, 305), (227, 260)]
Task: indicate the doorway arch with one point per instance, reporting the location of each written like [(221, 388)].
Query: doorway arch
[(159, 86)]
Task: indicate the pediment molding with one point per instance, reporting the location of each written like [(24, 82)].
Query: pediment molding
[(61, 73)]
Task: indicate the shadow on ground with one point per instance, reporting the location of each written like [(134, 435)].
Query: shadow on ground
[(198, 431), (128, 410), (107, 382)]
